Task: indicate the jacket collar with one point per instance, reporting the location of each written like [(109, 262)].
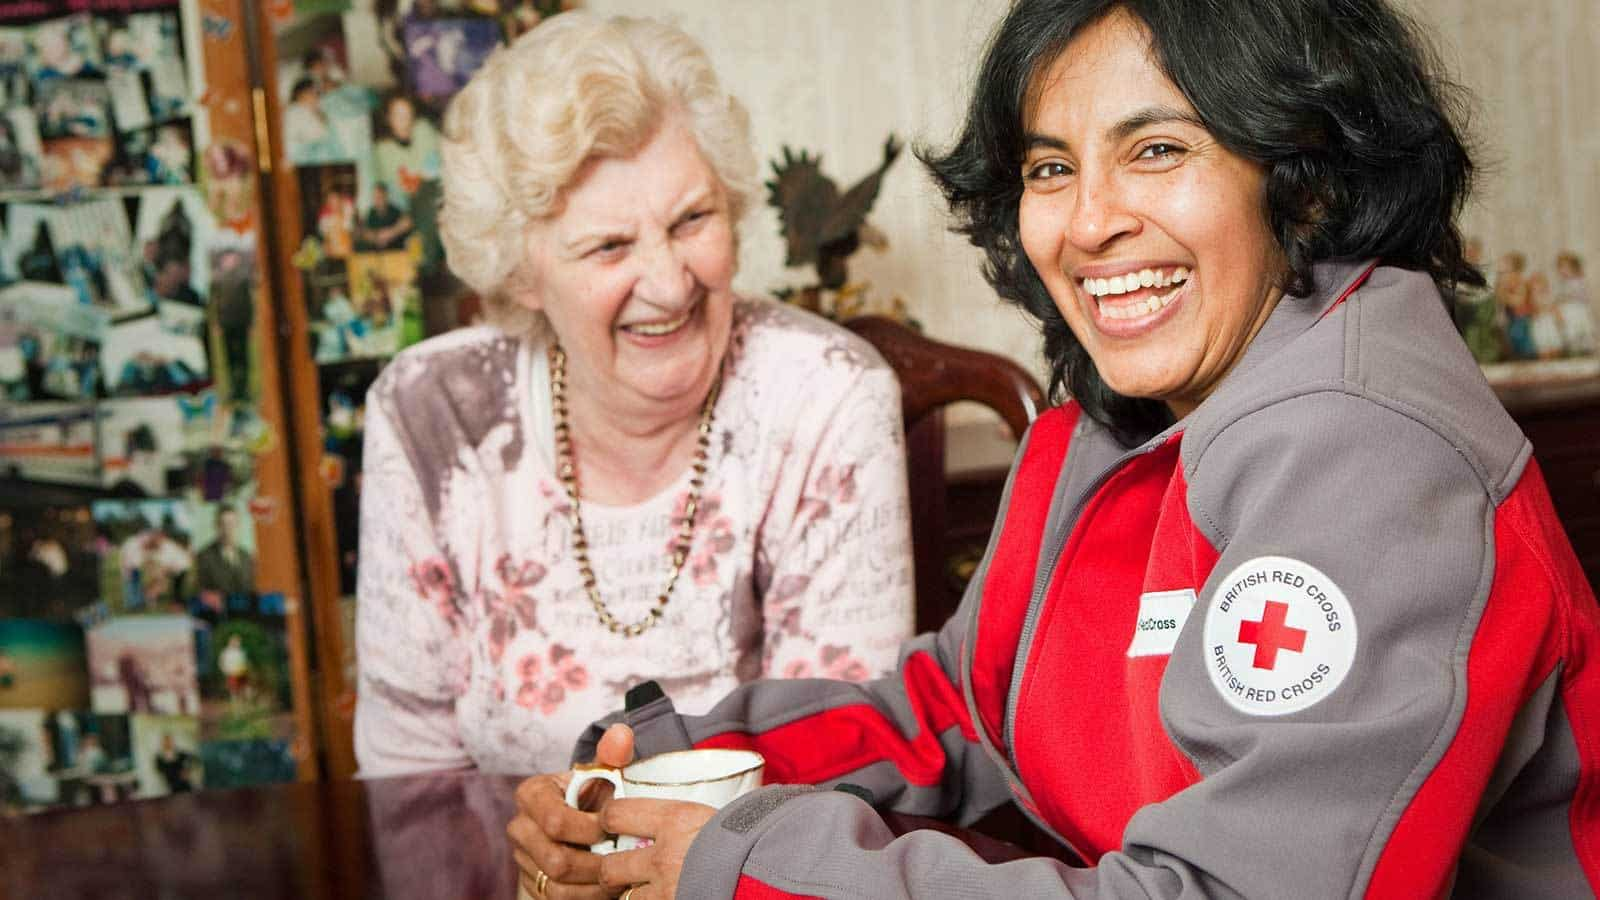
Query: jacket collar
[(1294, 315)]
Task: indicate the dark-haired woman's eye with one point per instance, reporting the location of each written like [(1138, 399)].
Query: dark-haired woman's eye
[(1160, 150), (1046, 171)]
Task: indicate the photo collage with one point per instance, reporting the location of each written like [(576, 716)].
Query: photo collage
[(131, 634), (95, 100), (363, 90), (137, 657)]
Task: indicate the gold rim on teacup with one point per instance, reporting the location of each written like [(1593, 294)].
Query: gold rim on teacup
[(759, 762)]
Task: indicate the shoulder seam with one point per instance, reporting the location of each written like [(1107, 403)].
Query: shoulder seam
[(1494, 489)]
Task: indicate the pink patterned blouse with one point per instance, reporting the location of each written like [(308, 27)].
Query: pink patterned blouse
[(476, 643)]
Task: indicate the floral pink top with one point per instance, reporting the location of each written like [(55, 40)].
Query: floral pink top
[(476, 642)]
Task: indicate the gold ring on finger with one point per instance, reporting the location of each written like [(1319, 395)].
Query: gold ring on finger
[(540, 880)]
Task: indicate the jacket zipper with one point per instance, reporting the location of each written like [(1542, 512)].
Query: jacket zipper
[(1019, 793), (1042, 586)]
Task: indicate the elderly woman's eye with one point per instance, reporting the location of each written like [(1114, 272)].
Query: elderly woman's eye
[(692, 217)]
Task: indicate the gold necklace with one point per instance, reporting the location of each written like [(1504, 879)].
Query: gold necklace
[(567, 472)]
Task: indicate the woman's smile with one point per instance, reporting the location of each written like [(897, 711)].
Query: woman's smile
[(654, 331), (1136, 301)]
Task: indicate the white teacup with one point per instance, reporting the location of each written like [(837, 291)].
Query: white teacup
[(713, 777)]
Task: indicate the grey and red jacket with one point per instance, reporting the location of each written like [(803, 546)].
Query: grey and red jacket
[(1322, 638)]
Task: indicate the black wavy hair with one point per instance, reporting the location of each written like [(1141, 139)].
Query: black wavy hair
[(1341, 101)]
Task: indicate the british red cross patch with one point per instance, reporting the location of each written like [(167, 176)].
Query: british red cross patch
[(1280, 636)]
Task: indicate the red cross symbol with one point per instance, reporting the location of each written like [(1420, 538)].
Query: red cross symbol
[(1271, 635)]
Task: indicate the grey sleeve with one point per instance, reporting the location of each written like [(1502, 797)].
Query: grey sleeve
[(816, 843), (901, 738)]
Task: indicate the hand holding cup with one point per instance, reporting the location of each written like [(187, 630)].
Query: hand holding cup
[(644, 830), (658, 807), (550, 839)]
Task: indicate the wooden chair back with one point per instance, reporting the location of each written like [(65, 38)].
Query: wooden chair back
[(933, 375)]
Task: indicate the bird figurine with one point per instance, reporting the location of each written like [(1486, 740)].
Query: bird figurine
[(820, 226)]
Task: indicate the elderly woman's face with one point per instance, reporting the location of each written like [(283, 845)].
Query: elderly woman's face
[(635, 276), (1150, 236)]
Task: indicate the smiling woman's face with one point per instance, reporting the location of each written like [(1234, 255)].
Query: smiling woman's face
[(636, 277), (1150, 236)]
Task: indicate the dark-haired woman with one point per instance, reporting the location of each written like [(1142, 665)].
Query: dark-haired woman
[(1278, 607)]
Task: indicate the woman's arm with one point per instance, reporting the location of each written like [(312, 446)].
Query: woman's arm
[(411, 634), (837, 600)]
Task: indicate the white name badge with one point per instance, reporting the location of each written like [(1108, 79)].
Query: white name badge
[(1161, 617)]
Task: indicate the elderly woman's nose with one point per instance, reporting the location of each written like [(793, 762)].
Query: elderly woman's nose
[(1100, 214), (664, 276)]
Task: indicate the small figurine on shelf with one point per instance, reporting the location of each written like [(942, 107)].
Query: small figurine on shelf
[(1478, 316), (1511, 292), (1544, 326), (822, 228), (1572, 304)]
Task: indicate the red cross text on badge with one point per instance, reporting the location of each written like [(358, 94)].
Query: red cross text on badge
[(1271, 635)]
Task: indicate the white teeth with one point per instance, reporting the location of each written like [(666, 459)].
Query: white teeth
[(1133, 281), (1138, 307), (657, 329)]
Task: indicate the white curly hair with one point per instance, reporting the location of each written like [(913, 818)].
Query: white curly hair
[(576, 87)]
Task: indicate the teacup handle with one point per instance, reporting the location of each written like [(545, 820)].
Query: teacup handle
[(581, 777)]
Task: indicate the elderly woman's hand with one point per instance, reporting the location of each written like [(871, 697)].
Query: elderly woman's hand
[(551, 840), (651, 873)]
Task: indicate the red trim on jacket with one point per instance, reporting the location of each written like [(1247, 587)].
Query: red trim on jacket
[(1542, 532), (750, 889), (1524, 631), (844, 739), (1009, 584), (1181, 556), (1079, 649), (1354, 286)]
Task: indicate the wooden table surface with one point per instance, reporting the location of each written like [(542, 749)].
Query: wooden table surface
[(440, 836)]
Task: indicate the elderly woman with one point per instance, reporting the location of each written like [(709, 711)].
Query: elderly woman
[(635, 473), (1278, 607)]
